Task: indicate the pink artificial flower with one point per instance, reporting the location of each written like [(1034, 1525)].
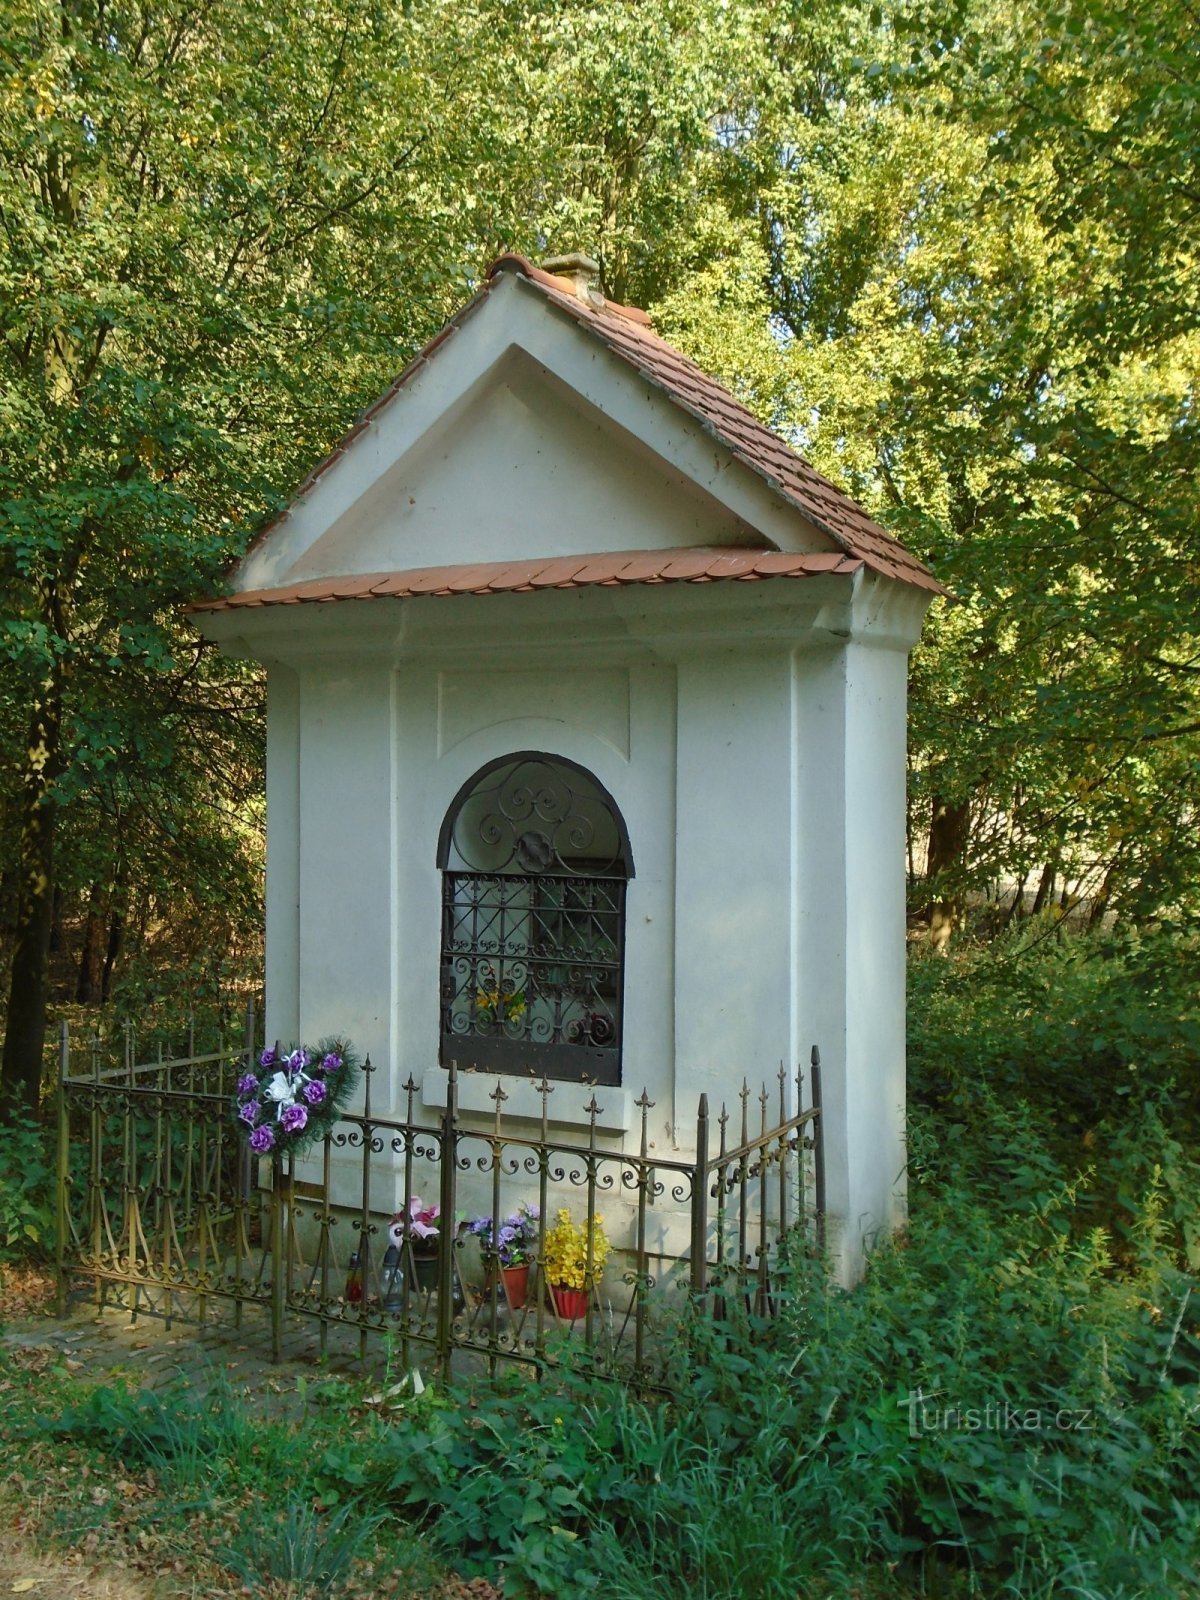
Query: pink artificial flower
[(422, 1221)]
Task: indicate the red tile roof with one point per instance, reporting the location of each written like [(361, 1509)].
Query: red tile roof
[(607, 569), (626, 331)]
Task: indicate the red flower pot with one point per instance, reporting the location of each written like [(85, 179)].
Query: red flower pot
[(569, 1304), (516, 1285)]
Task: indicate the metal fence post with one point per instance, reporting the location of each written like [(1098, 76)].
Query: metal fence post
[(277, 1249), (365, 1226), (61, 1214), (818, 1149), (700, 1201), (447, 1201), (177, 1097)]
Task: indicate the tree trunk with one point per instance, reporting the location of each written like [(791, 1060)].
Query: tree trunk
[(21, 1070), (1103, 895), (91, 958), (1018, 902), (116, 932), (949, 832), (1045, 887)]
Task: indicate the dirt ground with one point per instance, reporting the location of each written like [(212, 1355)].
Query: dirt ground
[(147, 1353), (74, 1578)]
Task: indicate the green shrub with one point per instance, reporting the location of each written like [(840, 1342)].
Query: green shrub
[(297, 1545), (27, 1190), (1007, 1404), (1077, 1057), (1069, 1024), (213, 1453)]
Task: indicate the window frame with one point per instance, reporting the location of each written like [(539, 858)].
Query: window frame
[(509, 1049)]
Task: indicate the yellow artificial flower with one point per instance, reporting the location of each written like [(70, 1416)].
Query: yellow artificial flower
[(565, 1252)]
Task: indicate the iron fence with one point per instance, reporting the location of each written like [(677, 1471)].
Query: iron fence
[(162, 1209)]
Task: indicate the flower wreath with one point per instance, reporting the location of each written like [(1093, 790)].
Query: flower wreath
[(294, 1099)]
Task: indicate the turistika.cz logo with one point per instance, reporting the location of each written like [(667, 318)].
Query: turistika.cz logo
[(930, 1414)]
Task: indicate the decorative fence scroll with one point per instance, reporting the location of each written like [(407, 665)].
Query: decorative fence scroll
[(163, 1210)]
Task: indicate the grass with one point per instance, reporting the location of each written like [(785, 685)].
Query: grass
[(1048, 1273), (177, 1493)]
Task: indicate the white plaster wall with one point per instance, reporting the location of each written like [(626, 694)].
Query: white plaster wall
[(620, 725), (345, 933), (876, 703), (382, 753), (525, 468), (282, 975), (850, 922), (734, 963), (753, 736)]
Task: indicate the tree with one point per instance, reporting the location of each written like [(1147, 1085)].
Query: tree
[(950, 249), (1084, 577), (207, 212), (224, 230), (978, 257)]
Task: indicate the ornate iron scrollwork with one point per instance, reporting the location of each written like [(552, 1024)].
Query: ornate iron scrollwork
[(532, 815)]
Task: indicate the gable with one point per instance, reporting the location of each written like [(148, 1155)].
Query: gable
[(546, 423), (520, 467)]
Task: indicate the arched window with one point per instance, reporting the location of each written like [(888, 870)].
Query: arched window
[(535, 859)]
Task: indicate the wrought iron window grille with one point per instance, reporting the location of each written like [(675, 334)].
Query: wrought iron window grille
[(535, 862)]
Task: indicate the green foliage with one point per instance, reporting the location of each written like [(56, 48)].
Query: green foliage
[(27, 1190), (1072, 684), (218, 1458), (208, 212), (1078, 1056), (970, 233), (991, 1412), (298, 1546), (1006, 1406), (200, 1440), (950, 250), (496, 1476)]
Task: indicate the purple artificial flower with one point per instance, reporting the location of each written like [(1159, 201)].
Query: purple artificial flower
[(298, 1059), (506, 1235), (294, 1119), (314, 1092), (262, 1139), (247, 1084), (268, 1058), (331, 1062), (250, 1112)]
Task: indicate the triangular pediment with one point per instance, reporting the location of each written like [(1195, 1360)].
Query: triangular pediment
[(545, 423), (522, 466), (518, 437)]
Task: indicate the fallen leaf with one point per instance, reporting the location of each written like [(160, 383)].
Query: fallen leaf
[(23, 1585)]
